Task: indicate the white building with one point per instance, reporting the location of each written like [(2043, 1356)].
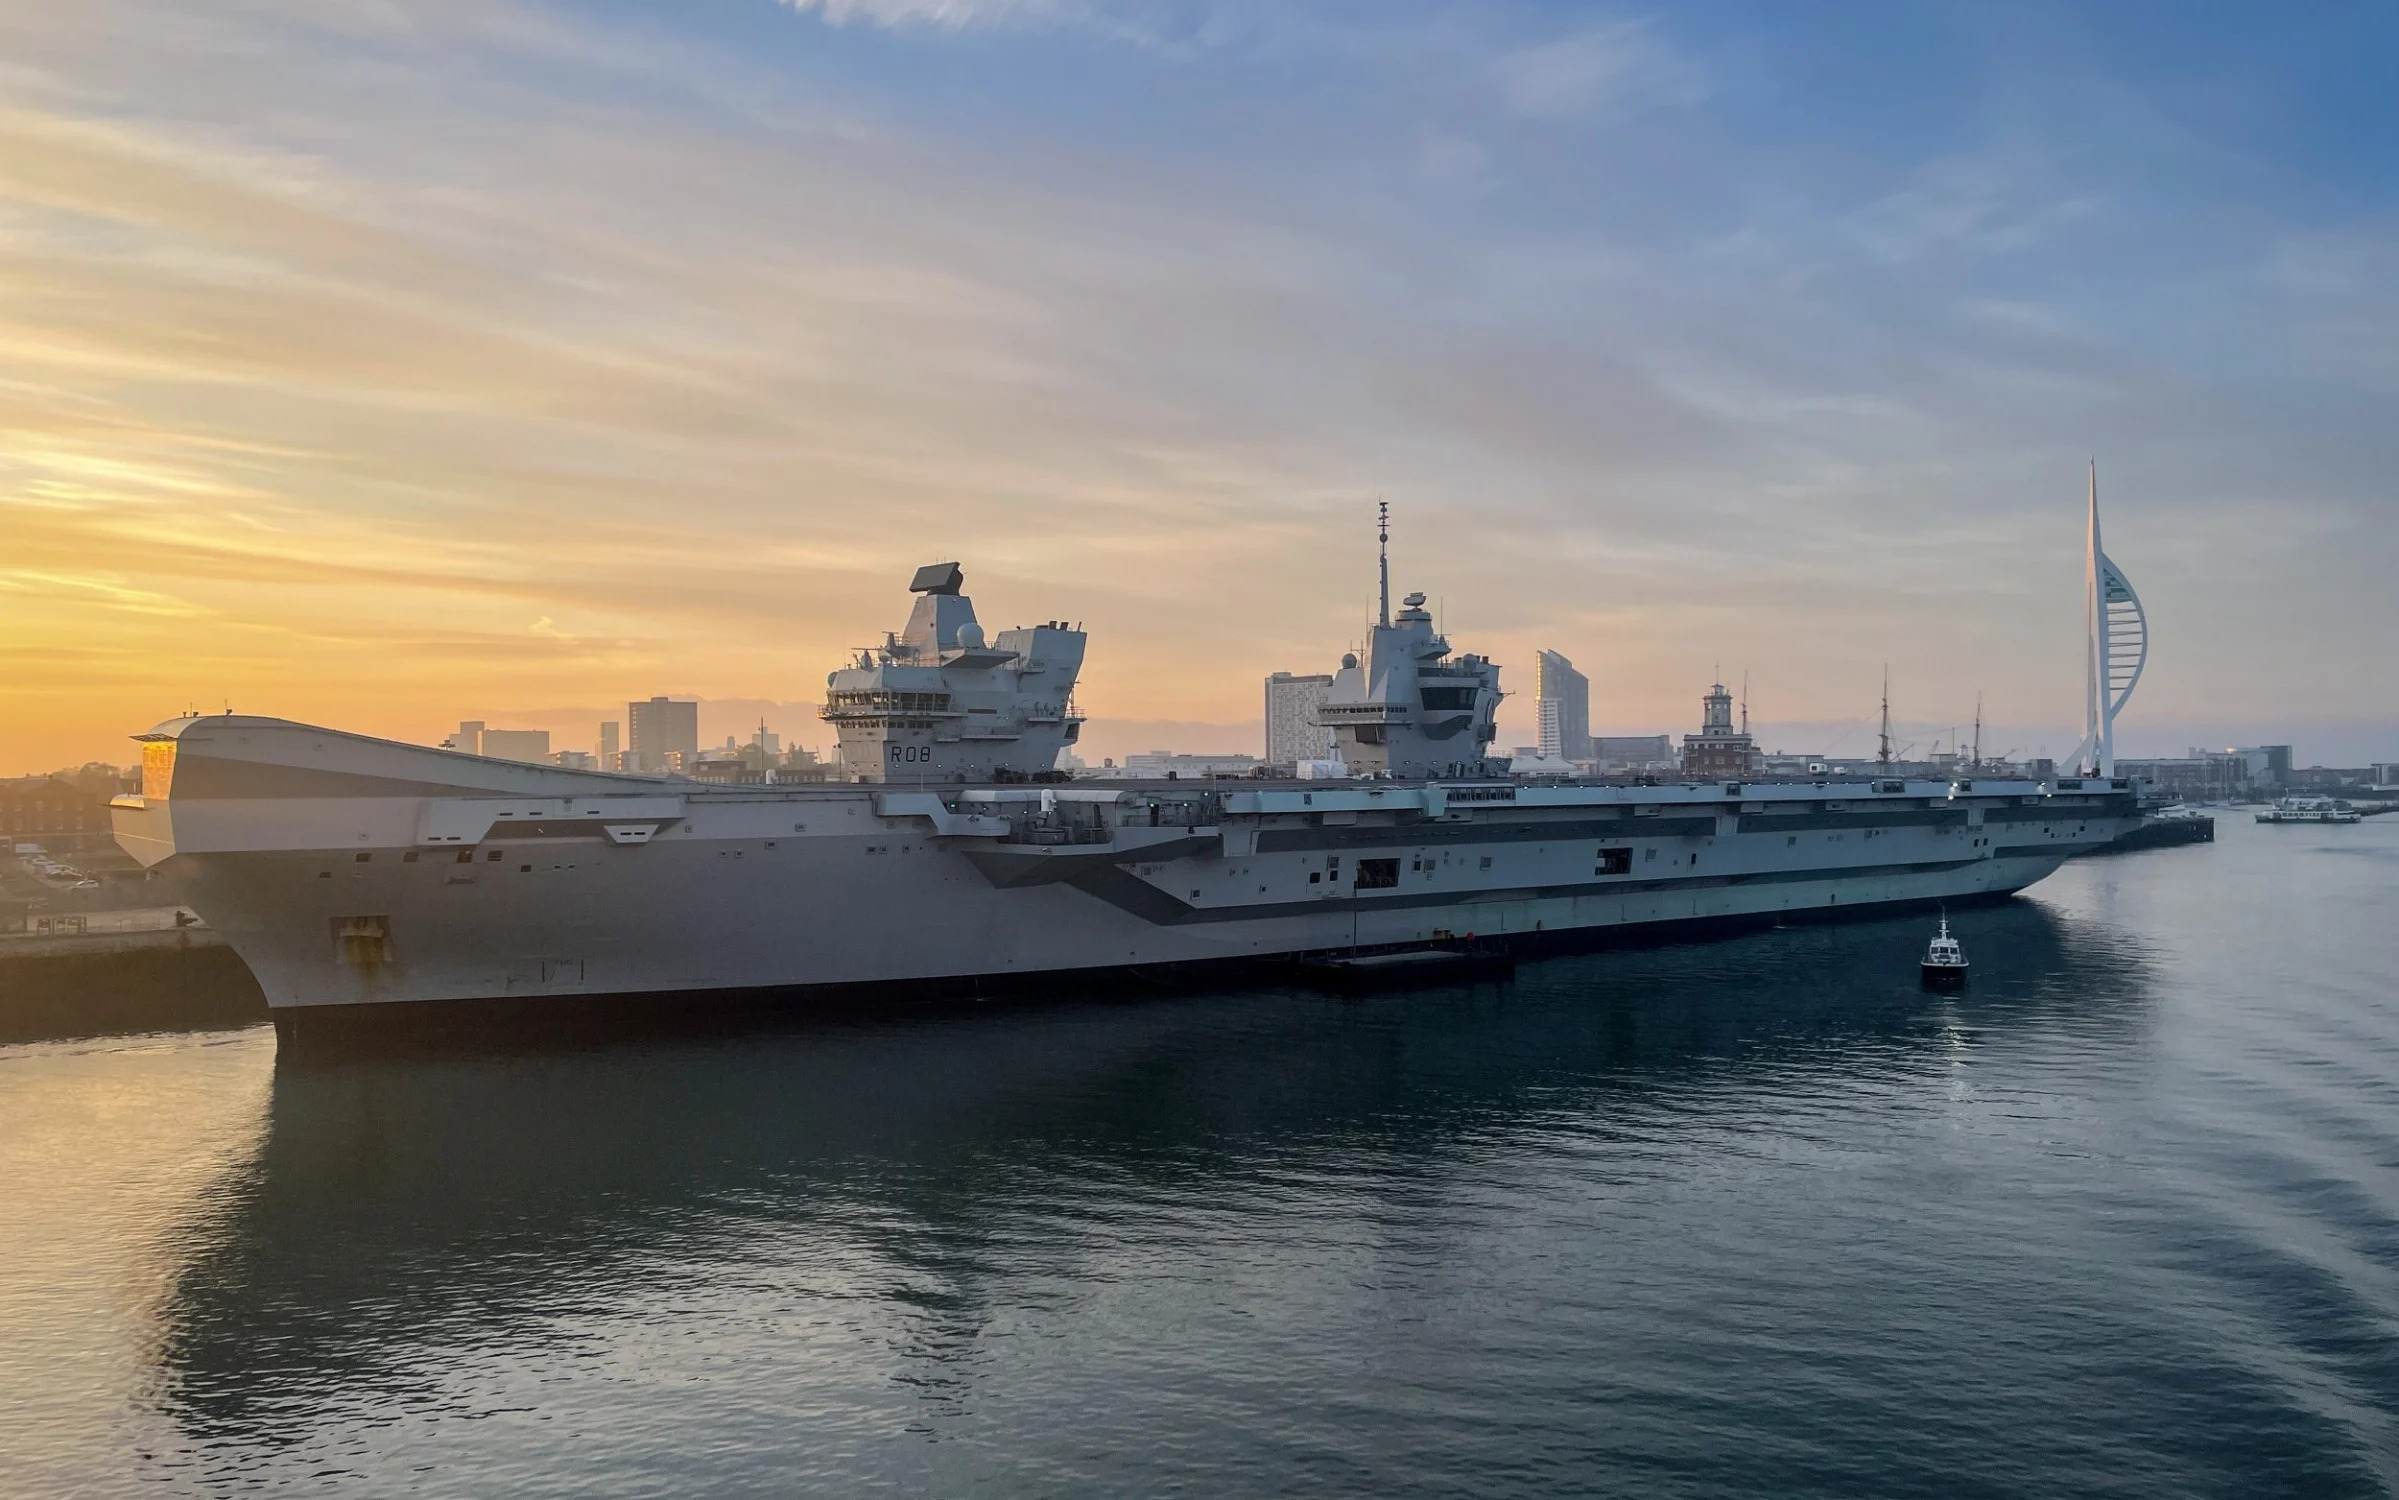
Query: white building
[(1529, 761), (1292, 704)]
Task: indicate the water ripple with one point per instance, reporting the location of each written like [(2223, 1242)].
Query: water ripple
[(1757, 1216)]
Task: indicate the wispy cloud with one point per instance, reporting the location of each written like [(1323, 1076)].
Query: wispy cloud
[(953, 15), (396, 326), (76, 591), (1612, 66), (1991, 204)]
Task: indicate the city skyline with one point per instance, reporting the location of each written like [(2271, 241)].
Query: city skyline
[(395, 366)]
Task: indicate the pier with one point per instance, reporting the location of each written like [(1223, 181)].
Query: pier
[(99, 973)]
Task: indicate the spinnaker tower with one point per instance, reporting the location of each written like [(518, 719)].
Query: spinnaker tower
[(2115, 649)]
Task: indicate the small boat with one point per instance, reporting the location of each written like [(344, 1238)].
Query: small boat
[(1944, 960), (2309, 810)]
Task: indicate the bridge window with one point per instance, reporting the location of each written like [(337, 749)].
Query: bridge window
[(158, 769)]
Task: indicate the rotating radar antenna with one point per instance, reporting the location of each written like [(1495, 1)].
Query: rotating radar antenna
[(2116, 649)]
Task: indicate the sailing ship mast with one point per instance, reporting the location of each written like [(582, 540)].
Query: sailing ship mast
[(1882, 756)]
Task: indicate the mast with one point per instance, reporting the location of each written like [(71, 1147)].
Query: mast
[(1978, 731), (1882, 756), (1383, 559), (1745, 702)]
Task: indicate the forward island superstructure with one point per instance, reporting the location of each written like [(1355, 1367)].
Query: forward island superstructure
[(351, 871), (937, 703)]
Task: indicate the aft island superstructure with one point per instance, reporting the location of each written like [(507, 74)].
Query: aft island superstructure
[(352, 871), (1408, 709)]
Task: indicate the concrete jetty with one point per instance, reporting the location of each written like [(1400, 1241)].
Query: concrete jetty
[(107, 972)]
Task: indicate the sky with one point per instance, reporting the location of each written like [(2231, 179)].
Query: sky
[(386, 363)]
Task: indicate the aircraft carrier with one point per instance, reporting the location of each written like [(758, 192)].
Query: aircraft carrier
[(352, 872)]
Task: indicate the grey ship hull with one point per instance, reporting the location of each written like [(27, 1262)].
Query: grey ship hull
[(353, 872)]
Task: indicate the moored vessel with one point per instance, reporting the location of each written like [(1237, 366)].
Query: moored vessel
[(355, 874)]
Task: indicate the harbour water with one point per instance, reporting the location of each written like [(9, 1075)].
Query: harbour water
[(1758, 1216)]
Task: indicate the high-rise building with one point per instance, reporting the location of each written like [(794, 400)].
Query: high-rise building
[(608, 746), (1561, 708), (469, 737), (2271, 764), (1292, 733), (664, 733)]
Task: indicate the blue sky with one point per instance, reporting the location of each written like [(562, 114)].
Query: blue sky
[(409, 360)]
